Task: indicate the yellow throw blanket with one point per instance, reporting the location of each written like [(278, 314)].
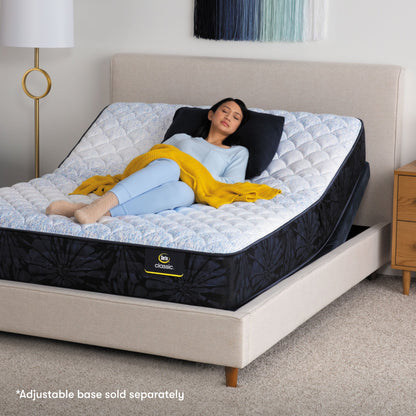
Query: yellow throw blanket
[(207, 190)]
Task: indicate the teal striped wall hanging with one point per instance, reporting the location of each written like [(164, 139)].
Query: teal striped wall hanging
[(260, 20)]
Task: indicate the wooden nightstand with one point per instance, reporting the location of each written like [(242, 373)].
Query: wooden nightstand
[(403, 255)]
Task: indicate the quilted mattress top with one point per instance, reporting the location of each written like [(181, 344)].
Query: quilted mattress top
[(312, 149)]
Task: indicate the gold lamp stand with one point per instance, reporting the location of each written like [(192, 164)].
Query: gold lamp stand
[(36, 99)]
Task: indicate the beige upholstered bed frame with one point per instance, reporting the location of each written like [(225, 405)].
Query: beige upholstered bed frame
[(234, 339)]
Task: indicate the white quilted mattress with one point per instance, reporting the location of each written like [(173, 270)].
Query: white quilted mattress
[(311, 151)]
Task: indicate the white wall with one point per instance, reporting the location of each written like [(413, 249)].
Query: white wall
[(369, 31)]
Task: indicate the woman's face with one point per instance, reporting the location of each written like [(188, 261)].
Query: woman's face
[(227, 118)]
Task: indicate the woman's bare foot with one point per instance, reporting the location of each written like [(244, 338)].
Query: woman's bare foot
[(97, 209), (64, 207)]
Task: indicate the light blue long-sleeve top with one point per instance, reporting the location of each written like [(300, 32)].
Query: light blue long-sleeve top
[(225, 164)]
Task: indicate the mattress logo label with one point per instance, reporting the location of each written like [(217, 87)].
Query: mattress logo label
[(163, 258), (164, 263)]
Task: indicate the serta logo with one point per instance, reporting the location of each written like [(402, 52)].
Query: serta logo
[(164, 258), (165, 263)]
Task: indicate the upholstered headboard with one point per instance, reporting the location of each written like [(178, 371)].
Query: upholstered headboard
[(369, 92)]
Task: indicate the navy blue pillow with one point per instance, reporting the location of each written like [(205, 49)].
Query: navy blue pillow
[(261, 134)]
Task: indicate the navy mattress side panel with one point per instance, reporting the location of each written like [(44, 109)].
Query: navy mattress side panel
[(342, 232), (109, 267)]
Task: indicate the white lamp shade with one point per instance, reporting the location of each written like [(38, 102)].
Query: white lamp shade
[(37, 23)]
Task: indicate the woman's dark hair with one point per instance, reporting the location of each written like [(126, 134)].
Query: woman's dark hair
[(203, 130)]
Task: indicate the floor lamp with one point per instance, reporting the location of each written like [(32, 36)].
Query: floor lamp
[(37, 24)]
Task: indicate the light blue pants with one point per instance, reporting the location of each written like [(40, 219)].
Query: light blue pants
[(152, 189)]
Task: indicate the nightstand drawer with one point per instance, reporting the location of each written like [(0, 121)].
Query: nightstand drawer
[(406, 244), (406, 202)]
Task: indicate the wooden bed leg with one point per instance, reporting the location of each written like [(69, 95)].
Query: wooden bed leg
[(231, 375), (406, 282)]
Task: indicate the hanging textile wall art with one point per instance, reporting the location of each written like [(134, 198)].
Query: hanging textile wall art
[(260, 20)]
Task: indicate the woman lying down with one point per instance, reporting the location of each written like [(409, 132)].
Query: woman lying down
[(176, 173)]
